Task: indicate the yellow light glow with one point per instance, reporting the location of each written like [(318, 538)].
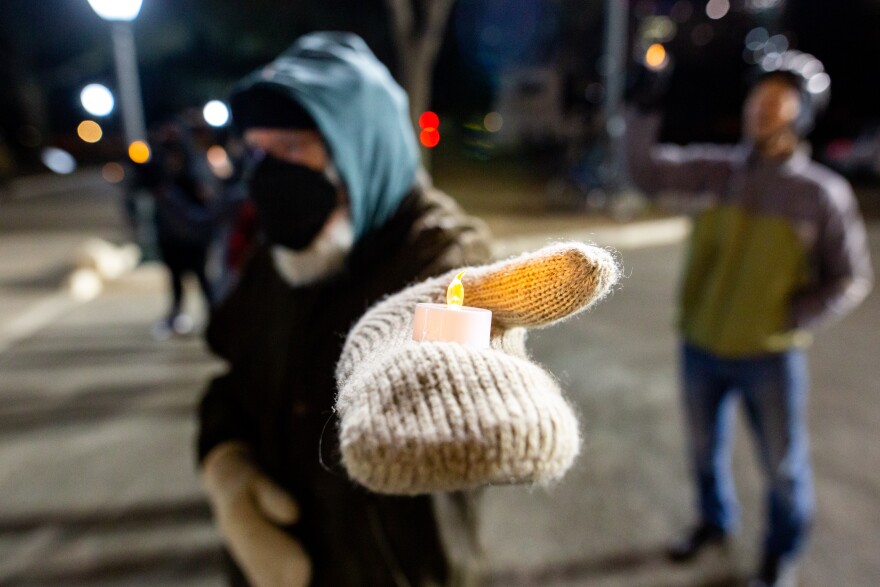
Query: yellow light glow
[(113, 172), (217, 155), (455, 292), (84, 285), (89, 131), (655, 56), (219, 162), (493, 122), (139, 152)]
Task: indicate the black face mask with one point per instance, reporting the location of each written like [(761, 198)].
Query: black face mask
[(293, 202)]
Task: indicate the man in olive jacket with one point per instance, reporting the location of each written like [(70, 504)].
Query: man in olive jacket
[(346, 219), (778, 249)]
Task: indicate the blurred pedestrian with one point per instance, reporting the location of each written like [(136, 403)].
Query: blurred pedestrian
[(186, 202), (344, 221), (237, 228), (778, 249), (348, 218)]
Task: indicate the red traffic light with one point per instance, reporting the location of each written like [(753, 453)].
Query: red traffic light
[(429, 120), (430, 137)]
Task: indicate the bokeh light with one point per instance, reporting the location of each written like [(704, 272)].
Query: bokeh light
[(216, 113), (84, 284), (656, 57), (97, 100), (717, 9), (493, 122), (113, 173), (117, 9), (771, 62), (658, 29), (811, 68), (219, 162), (429, 120), (58, 160), (819, 83), (777, 44), (758, 6), (756, 38), (139, 152), (89, 131), (429, 138)]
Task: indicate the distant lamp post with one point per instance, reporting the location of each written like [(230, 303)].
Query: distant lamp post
[(216, 113), (120, 13), (97, 100)]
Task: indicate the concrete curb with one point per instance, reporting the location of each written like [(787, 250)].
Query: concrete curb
[(634, 235)]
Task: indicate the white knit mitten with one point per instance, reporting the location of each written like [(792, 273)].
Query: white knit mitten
[(249, 509), (419, 417)]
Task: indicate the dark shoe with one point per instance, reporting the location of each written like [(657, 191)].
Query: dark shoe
[(775, 572), (700, 538)]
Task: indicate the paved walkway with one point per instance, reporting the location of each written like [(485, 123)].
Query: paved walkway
[(97, 425)]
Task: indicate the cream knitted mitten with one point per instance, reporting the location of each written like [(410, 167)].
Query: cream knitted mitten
[(248, 509), (419, 417)]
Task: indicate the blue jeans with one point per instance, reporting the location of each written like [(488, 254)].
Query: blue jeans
[(774, 392)]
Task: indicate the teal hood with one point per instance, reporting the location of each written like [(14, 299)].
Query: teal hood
[(362, 113)]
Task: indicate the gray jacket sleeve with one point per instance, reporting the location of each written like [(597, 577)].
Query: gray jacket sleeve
[(691, 169), (844, 269)]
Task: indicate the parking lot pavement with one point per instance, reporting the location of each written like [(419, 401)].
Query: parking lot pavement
[(97, 424)]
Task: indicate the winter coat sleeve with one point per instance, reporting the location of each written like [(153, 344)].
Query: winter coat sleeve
[(656, 168), (222, 416), (465, 238), (844, 275)]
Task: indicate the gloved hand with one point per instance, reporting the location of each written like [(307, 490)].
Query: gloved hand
[(248, 508), (419, 417)]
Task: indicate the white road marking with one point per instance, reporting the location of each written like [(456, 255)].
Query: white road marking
[(635, 235), (35, 318)]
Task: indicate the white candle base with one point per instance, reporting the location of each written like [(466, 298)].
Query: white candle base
[(442, 323)]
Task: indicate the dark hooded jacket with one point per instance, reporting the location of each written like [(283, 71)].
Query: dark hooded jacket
[(282, 345)]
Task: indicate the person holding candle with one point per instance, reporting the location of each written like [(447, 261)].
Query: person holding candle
[(778, 248), (348, 218)]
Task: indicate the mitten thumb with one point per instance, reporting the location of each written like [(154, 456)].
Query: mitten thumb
[(540, 288)]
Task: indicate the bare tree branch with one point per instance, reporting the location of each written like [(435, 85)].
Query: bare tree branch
[(437, 15), (418, 46)]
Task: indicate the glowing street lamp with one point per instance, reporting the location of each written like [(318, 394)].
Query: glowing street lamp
[(216, 113), (122, 10), (120, 14), (97, 100)]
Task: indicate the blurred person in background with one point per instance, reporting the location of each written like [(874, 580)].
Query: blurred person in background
[(778, 249), (237, 227), (185, 204), (238, 245), (346, 218)]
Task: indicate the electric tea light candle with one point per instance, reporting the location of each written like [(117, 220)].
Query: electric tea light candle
[(453, 321)]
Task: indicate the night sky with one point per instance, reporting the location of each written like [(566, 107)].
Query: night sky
[(191, 50)]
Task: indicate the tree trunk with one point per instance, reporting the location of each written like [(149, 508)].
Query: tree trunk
[(417, 47)]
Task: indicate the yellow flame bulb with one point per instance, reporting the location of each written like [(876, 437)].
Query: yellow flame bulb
[(455, 292)]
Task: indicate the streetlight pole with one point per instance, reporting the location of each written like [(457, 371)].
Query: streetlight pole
[(121, 13), (616, 14), (129, 82)]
